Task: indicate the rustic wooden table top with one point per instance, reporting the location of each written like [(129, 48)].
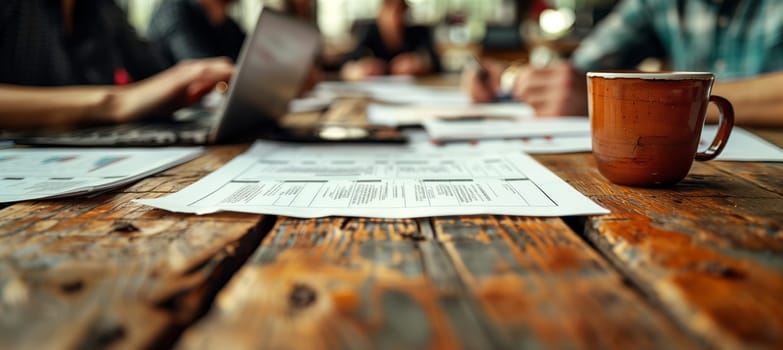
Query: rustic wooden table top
[(697, 265)]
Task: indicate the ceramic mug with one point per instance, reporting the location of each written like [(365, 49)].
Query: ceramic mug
[(646, 127)]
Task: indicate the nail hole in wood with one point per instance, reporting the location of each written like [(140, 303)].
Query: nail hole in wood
[(302, 296), (72, 287), (124, 227)]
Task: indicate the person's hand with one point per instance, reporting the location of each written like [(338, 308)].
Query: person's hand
[(481, 81), (177, 87), (363, 68), (409, 63), (557, 90)]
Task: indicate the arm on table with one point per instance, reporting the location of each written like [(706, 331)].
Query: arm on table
[(38, 107), (757, 101), (363, 68)]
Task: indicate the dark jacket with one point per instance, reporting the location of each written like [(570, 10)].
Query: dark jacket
[(102, 49), (180, 29), (416, 39)]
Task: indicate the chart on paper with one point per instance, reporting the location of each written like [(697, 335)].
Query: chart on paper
[(38, 173), (386, 181)]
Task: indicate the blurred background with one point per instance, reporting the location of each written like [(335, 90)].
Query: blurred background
[(538, 31)]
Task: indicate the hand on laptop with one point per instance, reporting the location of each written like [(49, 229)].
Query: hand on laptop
[(26, 107), (177, 87)]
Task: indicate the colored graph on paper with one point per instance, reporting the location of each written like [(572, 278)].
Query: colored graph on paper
[(107, 161)]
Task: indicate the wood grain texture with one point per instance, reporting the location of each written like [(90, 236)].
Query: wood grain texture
[(342, 283), (105, 272), (543, 287), (708, 250), (697, 265), (468, 283)]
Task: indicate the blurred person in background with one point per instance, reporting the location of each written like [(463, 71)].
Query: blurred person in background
[(70, 62), (186, 29), (390, 46), (302, 9), (740, 41)]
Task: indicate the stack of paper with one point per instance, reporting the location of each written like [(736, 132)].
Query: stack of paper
[(36, 173), (391, 115), (455, 130), (397, 91)]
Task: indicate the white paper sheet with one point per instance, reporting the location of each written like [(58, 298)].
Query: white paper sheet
[(453, 130), (530, 145), (743, 146), (395, 115), (384, 181), (397, 91), (37, 173)]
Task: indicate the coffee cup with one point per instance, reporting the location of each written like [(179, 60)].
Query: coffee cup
[(646, 127)]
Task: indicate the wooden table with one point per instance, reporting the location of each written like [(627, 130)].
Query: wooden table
[(698, 265)]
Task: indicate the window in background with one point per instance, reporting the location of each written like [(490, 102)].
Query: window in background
[(463, 28)]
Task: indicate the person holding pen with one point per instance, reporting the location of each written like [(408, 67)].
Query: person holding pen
[(740, 41)]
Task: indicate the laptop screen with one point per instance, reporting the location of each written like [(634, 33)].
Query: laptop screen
[(275, 60)]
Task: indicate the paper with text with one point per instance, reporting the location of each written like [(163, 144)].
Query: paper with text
[(384, 181), (396, 115), (397, 91), (37, 173), (453, 130), (743, 146)]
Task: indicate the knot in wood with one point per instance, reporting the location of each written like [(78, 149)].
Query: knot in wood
[(302, 296), (414, 236), (124, 226)]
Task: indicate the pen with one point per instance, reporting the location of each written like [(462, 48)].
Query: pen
[(482, 74), (477, 117)]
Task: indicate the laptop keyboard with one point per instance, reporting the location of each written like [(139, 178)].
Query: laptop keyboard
[(121, 135)]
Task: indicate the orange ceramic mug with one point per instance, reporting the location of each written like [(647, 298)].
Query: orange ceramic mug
[(646, 127)]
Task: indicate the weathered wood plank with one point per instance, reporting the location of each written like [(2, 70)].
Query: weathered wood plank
[(774, 135), (216, 157), (529, 283), (343, 283), (767, 174), (103, 271), (708, 250), (543, 287)]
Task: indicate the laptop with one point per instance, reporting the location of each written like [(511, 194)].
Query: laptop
[(273, 64)]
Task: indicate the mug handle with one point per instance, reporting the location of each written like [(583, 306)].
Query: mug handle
[(726, 123)]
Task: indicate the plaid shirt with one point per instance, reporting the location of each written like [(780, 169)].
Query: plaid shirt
[(732, 38)]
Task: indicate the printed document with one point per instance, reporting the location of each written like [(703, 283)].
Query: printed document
[(407, 115), (452, 130), (37, 173), (398, 91), (385, 182), (571, 137), (530, 145)]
